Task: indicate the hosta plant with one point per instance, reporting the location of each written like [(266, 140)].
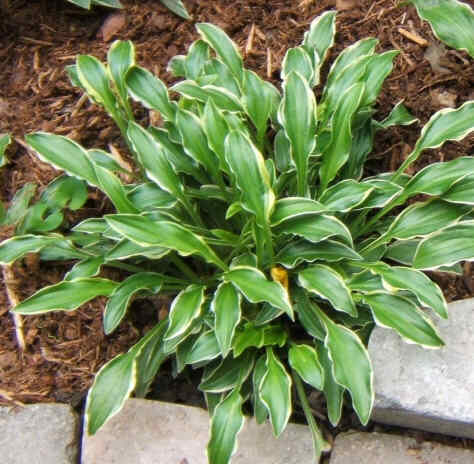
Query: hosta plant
[(249, 207), (176, 6)]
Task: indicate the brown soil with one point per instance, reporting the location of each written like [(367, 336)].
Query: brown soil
[(39, 38)]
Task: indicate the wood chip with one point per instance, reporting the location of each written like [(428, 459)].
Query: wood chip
[(413, 37)]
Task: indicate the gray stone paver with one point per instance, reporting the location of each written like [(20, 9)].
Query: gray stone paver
[(428, 389), (38, 434), (151, 432), (381, 448)]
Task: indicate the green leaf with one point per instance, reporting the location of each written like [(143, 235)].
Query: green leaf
[(66, 295), (89, 267), (16, 247), (446, 124), (333, 95), (452, 22), (296, 253), (127, 249), (105, 160), (337, 153), (195, 140), (186, 307), (307, 315), (378, 68), (461, 191), (350, 55), (282, 149), (293, 207), (82, 3), (150, 91), (93, 76), (319, 39), (154, 160), (333, 392), (5, 140), (438, 178), (221, 97), (205, 348), (446, 247), (65, 191), (146, 232), (121, 58), (226, 306), (177, 66), (196, 59), (148, 196), (251, 176), (176, 155), (112, 386), (299, 60), (316, 228), (231, 373), (422, 219), (304, 360), (352, 368), (297, 115), (383, 192), (266, 314), (257, 289), (226, 423), (405, 278), (109, 3), (403, 316), (345, 195), (259, 409), (365, 281), (19, 205), (258, 99), (225, 49), (150, 358), (399, 116), (328, 284), (402, 251), (120, 298), (65, 154), (177, 7), (113, 188), (216, 129), (252, 336), (275, 393)]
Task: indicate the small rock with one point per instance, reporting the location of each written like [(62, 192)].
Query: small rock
[(443, 98), (112, 25), (427, 389), (38, 434), (151, 432), (435, 54), (381, 448)]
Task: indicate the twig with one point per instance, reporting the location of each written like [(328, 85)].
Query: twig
[(9, 280), (249, 45), (413, 37), (269, 63)]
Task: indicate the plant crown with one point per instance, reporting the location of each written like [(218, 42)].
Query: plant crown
[(249, 206)]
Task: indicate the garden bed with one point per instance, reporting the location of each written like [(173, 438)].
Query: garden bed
[(40, 38)]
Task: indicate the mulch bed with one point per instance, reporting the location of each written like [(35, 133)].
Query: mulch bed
[(39, 38)]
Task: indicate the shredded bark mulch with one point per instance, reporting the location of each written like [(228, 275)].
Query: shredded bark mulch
[(39, 38)]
